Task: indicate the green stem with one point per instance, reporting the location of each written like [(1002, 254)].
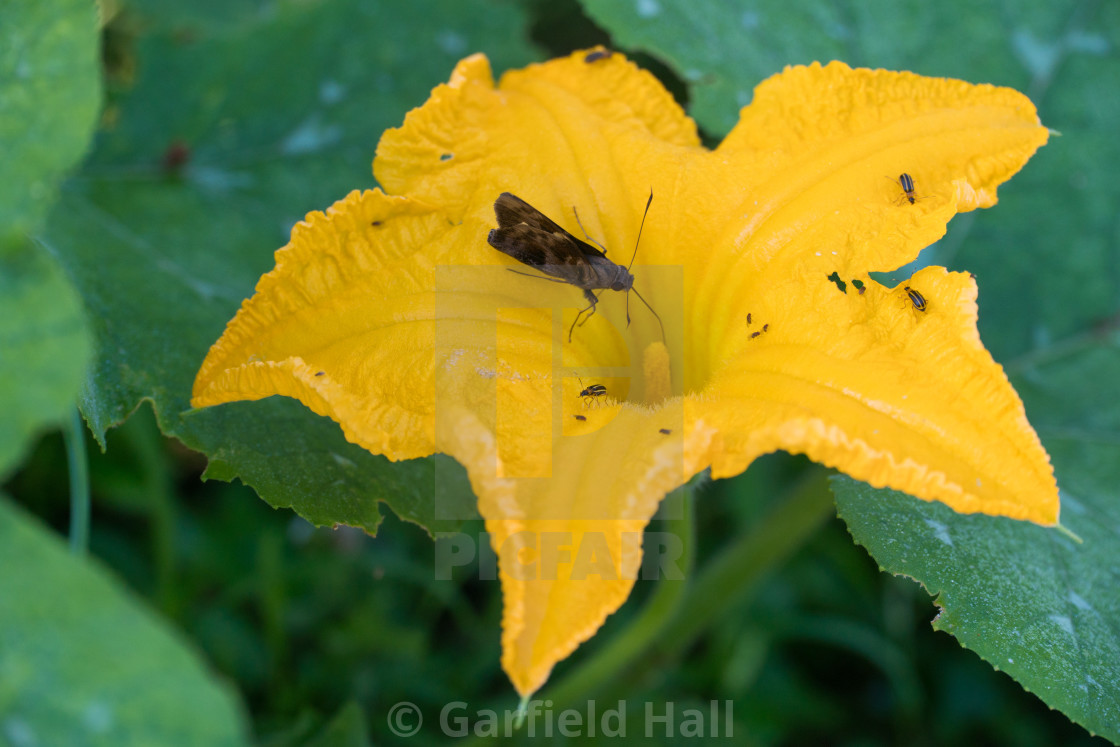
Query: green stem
[(522, 709), (74, 434), (734, 575), (640, 635), (738, 571), (146, 444)]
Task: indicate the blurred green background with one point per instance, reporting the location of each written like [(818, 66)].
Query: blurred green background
[(210, 616)]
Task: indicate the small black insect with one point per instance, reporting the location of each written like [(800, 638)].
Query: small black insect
[(595, 390), (907, 183), (916, 298), (580, 417), (531, 238), (748, 318), (320, 373), (599, 53), (665, 431)]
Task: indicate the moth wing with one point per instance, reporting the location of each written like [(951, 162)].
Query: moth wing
[(548, 252), (511, 210)]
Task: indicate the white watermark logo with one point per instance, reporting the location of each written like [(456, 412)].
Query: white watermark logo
[(405, 719), (540, 719)]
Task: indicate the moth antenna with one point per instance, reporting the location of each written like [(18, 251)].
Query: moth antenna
[(655, 314), (643, 225)]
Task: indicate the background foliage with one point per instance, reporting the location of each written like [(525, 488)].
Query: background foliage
[(222, 123)]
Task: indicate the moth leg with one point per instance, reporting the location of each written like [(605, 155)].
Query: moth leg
[(594, 300), (587, 235), (538, 277)]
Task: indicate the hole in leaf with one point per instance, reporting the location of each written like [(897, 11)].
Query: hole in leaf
[(835, 277)]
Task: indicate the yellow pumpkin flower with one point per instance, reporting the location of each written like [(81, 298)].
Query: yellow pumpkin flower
[(391, 313)]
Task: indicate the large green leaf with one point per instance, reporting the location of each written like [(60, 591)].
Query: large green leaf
[(722, 50), (1031, 601), (1047, 257), (275, 115), (44, 348), (82, 662), (49, 96)]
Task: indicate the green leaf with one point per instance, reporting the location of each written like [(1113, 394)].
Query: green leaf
[(1046, 257), (49, 96), (81, 662), (209, 15), (44, 349), (229, 137), (1030, 600), (723, 50)]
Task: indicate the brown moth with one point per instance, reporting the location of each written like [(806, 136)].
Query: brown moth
[(531, 238)]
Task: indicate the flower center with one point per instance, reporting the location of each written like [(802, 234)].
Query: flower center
[(656, 374)]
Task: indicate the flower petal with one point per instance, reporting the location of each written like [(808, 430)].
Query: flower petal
[(470, 137), (817, 150), (570, 544), (889, 394), (344, 324), (813, 188)]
